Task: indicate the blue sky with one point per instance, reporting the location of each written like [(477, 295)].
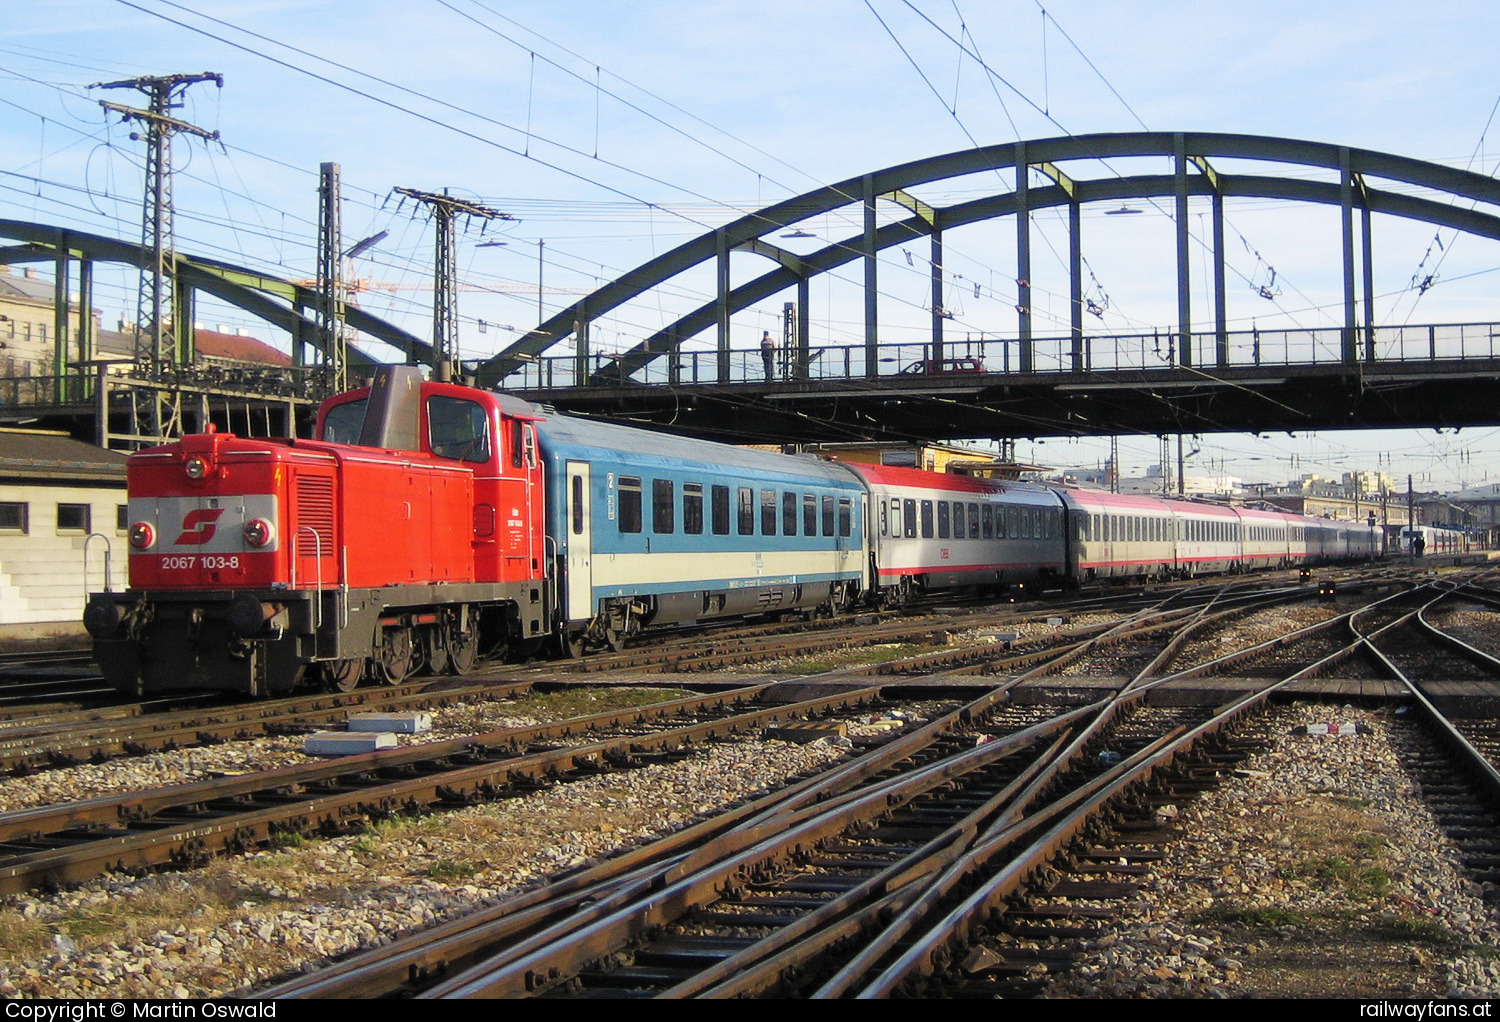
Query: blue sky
[(616, 131)]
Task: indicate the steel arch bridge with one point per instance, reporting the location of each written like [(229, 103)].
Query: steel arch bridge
[(1051, 385)]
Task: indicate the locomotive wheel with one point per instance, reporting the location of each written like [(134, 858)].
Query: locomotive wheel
[(463, 652), (569, 647), (342, 675), (398, 656)]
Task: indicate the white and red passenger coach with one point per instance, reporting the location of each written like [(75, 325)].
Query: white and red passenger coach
[(931, 531)]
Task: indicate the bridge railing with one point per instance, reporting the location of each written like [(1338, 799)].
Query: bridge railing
[(1004, 355)]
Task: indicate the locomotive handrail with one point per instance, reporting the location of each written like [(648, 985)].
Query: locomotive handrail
[(88, 539), (318, 580)]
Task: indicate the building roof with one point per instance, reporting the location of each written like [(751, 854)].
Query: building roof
[(239, 348), (43, 455), (210, 344), (23, 287)]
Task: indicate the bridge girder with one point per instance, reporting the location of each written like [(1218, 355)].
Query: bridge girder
[(1194, 175), (277, 301)]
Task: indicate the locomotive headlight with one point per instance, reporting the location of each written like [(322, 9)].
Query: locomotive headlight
[(259, 532), (142, 535), (196, 468)]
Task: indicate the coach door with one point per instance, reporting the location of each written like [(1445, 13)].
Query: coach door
[(580, 541)]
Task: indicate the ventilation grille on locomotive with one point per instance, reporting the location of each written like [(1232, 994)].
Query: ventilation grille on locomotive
[(314, 511)]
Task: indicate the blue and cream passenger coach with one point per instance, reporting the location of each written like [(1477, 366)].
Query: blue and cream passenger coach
[(651, 529)]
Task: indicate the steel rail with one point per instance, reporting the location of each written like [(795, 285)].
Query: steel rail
[(533, 964), (1476, 762), (365, 794), (420, 958), (921, 956)]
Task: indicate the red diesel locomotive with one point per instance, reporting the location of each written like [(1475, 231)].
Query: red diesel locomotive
[(255, 560)]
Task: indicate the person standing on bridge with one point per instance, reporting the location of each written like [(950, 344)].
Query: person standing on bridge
[(768, 353)]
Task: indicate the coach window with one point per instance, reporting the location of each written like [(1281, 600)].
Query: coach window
[(768, 512), (926, 519), (747, 511), (846, 517), (630, 504), (973, 519), (692, 508), (578, 505), (457, 428), (909, 518), (885, 519), (943, 520), (828, 516), (987, 520), (809, 515), (72, 518), (14, 516), (663, 507), (789, 514), (720, 497)]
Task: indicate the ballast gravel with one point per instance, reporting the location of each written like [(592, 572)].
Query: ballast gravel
[(284, 909), (237, 925), (1284, 872)]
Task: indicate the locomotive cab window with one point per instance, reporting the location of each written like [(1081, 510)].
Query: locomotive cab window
[(459, 429), (522, 445), (344, 422)]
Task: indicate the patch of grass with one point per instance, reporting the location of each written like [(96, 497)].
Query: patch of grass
[(580, 702), (270, 862), (452, 869), (1359, 879), (1269, 918), (88, 928), (287, 840), (22, 938), (1420, 931), (865, 655)]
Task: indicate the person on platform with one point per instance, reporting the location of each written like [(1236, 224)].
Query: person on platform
[(768, 353)]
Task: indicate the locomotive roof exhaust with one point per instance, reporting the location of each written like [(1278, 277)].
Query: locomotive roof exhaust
[(393, 413)]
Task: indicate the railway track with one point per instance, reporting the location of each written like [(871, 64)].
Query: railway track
[(887, 867), (841, 860), (70, 737)]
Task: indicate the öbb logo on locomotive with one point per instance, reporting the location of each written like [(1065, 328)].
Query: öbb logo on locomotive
[(523, 532), (198, 526)]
